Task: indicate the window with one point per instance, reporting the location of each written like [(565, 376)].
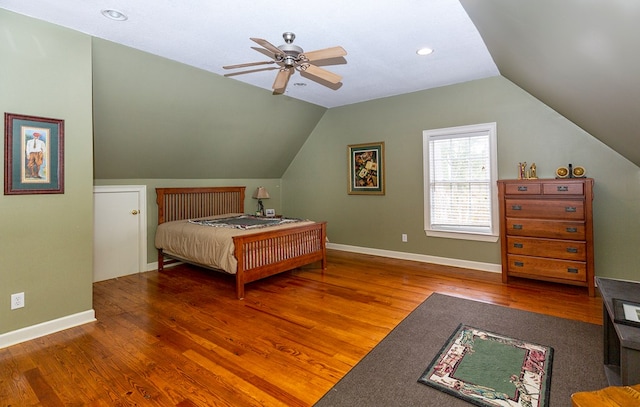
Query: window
[(460, 174)]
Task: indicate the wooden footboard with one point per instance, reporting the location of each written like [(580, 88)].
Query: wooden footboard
[(264, 254), (259, 254)]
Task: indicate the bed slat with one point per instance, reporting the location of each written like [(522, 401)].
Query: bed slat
[(191, 203), (264, 254)]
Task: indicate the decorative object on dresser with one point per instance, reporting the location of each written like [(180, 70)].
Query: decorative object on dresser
[(248, 254), (546, 230), (524, 173), (579, 172), (571, 172), (562, 172)]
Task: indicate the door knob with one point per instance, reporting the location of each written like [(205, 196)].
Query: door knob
[(134, 212)]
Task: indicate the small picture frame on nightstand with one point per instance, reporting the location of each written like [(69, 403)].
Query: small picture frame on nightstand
[(270, 213), (626, 312)]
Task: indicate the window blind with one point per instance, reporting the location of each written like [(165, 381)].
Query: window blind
[(460, 182)]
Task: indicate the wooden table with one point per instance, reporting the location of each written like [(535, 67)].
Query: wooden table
[(621, 342)]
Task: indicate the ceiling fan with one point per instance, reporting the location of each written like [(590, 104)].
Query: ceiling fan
[(289, 58)]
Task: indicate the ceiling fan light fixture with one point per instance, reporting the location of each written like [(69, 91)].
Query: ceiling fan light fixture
[(288, 37), (424, 51), (114, 15)]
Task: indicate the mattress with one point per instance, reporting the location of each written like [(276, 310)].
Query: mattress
[(206, 245)]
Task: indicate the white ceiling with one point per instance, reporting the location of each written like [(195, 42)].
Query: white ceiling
[(381, 38)]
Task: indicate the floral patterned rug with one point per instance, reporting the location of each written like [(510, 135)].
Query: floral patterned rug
[(488, 369)]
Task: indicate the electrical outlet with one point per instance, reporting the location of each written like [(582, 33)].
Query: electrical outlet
[(17, 300), (404, 237)]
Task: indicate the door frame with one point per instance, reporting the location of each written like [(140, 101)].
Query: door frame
[(142, 219)]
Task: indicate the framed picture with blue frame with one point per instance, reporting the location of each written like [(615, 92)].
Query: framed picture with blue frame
[(366, 169), (33, 155)]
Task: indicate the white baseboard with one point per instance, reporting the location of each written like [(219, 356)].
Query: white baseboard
[(445, 261), (46, 328), (474, 265)]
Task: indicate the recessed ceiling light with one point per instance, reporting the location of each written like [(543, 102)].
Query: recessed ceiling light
[(114, 15), (424, 51)]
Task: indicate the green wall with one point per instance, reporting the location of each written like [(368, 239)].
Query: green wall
[(157, 118), (46, 240), (315, 184)]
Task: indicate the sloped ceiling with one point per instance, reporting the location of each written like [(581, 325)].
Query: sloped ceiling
[(579, 57), (157, 118)]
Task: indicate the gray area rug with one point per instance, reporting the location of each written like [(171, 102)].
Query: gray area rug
[(388, 375)]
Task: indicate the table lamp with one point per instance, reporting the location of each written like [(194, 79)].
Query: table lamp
[(260, 194)]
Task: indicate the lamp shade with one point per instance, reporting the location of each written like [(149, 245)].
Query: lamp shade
[(261, 193)]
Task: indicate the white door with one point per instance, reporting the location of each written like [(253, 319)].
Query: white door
[(119, 246)]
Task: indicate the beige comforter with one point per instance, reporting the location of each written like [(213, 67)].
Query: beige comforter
[(209, 246)]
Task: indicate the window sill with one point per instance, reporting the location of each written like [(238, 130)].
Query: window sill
[(462, 236)]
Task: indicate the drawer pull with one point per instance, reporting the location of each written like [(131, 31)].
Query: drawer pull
[(570, 209), (519, 227), (518, 245), (572, 270), (518, 264), (572, 230), (572, 250), (563, 188), (522, 189), (516, 207)]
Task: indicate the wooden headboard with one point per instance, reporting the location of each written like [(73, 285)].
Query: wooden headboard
[(198, 202)]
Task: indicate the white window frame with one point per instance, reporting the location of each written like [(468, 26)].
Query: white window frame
[(461, 131)]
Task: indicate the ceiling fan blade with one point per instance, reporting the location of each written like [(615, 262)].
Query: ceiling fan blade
[(266, 44), (333, 52), (321, 73), (280, 84), (247, 64), (271, 68)]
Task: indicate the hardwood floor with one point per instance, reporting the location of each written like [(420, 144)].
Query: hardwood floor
[(180, 338)]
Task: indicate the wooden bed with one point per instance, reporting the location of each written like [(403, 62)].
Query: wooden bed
[(260, 254)]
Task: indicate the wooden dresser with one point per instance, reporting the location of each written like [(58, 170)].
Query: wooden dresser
[(546, 230)]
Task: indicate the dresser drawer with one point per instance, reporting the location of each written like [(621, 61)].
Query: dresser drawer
[(541, 267), (568, 188), (545, 209), (545, 228), (545, 188), (559, 249), (524, 188)]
